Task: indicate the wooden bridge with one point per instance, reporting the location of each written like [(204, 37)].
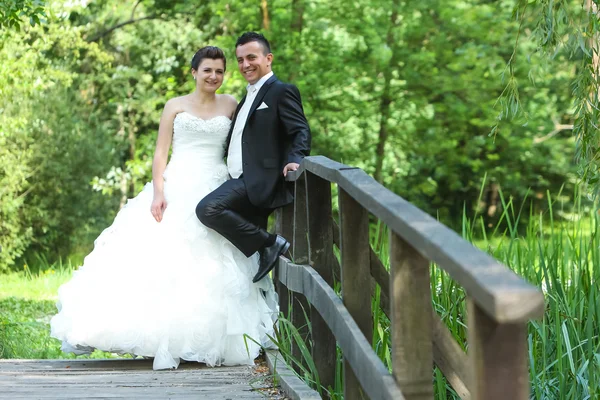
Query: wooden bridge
[(135, 379), (499, 306), (499, 303)]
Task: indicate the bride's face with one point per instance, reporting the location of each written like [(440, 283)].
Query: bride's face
[(209, 75)]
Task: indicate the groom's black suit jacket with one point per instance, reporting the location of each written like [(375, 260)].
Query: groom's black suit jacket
[(272, 137)]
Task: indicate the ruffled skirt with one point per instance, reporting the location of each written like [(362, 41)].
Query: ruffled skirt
[(170, 290)]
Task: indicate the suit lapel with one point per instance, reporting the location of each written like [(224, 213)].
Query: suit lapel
[(259, 96), (261, 93)]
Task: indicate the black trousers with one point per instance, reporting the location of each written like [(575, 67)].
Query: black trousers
[(228, 211)]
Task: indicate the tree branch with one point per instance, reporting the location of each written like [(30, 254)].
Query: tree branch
[(120, 25), (557, 128), (134, 7)]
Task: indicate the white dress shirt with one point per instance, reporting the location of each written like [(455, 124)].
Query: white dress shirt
[(234, 156)]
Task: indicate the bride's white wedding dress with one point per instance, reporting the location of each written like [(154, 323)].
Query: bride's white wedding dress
[(175, 289)]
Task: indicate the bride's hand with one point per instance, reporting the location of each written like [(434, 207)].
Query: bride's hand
[(158, 207)]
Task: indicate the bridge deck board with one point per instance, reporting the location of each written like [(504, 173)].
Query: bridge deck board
[(129, 379)]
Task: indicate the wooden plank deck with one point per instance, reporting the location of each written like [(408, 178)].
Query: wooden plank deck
[(131, 379)]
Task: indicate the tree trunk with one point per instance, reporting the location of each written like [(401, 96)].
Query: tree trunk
[(266, 22), (297, 15), (131, 140), (386, 98), (123, 181), (296, 29)]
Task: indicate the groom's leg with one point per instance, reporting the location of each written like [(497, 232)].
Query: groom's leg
[(224, 210)]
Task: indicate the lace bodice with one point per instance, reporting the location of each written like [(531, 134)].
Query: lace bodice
[(199, 138), (198, 150)]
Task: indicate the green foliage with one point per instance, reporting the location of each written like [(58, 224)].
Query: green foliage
[(563, 30), (22, 332), (406, 91), (563, 259), (12, 12), (52, 144)]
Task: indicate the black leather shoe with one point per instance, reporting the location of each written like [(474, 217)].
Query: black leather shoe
[(269, 257)]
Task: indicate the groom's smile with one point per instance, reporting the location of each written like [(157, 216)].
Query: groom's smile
[(254, 61)]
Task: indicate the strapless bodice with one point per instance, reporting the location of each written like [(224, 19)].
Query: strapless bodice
[(199, 139), (198, 150)]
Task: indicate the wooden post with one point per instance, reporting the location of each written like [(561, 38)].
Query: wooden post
[(284, 226), (300, 244), (300, 307), (498, 355), (322, 259), (411, 322), (356, 277)]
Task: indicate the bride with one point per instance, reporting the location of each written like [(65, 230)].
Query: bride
[(159, 283)]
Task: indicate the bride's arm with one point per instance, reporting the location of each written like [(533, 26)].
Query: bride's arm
[(161, 155)]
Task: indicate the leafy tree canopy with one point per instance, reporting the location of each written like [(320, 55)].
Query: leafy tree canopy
[(408, 91), (13, 12)]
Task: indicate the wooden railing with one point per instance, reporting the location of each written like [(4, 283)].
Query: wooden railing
[(499, 303)]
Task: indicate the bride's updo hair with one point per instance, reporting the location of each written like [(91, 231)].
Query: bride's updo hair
[(212, 52)]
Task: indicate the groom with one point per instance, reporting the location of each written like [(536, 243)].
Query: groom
[(269, 136)]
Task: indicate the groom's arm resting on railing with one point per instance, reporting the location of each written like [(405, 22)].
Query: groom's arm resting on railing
[(295, 127)]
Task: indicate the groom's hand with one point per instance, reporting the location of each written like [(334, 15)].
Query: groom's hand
[(290, 167)]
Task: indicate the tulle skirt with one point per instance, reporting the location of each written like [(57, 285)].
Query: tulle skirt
[(170, 290)]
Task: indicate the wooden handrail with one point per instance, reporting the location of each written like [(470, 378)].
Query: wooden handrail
[(499, 302), (502, 294), (447, 353), (370, 371)]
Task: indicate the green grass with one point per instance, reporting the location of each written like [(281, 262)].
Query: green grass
[(24, 329), (34, 285), (27, 303)]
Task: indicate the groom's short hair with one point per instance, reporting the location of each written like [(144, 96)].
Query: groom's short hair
[(254, 37)]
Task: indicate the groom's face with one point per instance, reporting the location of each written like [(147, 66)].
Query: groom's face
[(252, 61)]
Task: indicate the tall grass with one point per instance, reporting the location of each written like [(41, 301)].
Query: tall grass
[(560, 256)]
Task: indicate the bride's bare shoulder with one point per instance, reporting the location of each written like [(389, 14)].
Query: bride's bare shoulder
[(229, 103), (227, 99), (175, 105)]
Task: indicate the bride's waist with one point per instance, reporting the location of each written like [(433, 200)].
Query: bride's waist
[(195, 169)]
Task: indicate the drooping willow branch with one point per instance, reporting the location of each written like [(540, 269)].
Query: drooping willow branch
[(561, 26)]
